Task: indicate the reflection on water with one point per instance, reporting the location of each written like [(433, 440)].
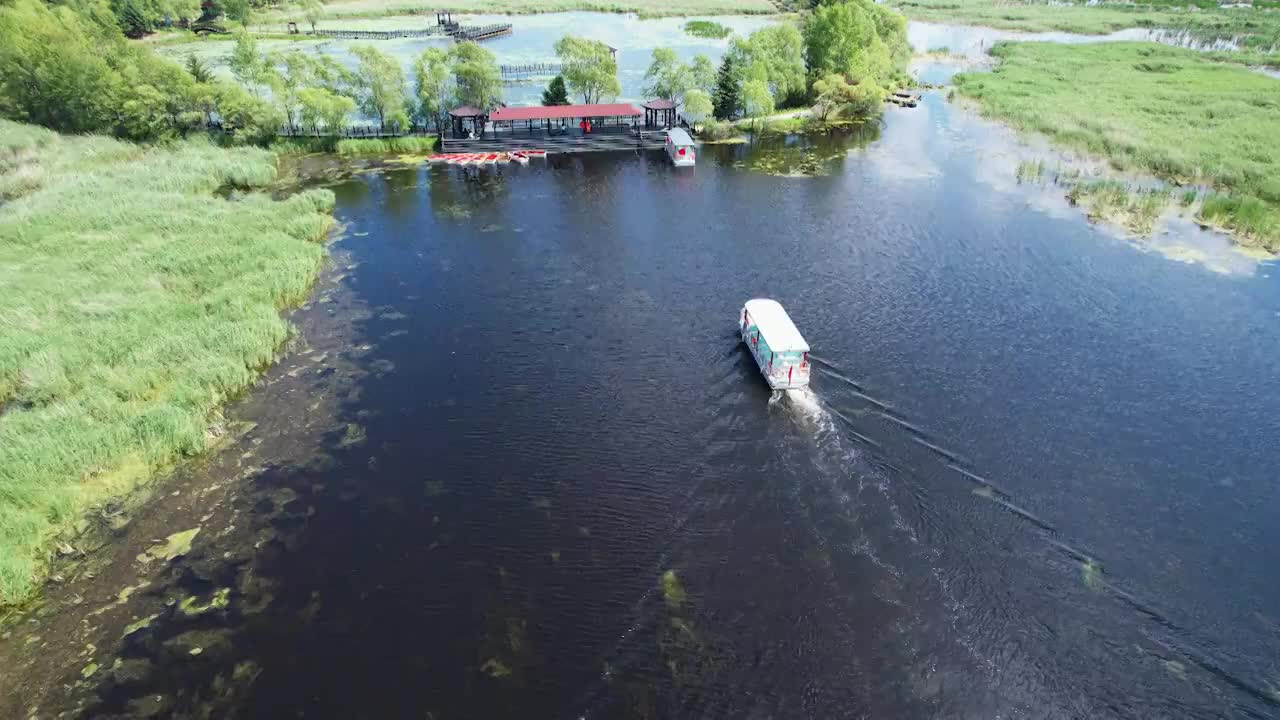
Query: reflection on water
[(799, 155)]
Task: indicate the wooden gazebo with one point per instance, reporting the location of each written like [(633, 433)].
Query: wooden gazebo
[(460, 116), (659, 113)]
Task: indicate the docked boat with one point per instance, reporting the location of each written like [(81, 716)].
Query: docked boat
[(679, 147), (775, 343)]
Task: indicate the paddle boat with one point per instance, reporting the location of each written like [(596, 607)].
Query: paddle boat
[(775, 343)]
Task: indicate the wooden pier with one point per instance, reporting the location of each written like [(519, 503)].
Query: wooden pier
[(903, 99), (529, 71), (376, 34), (461, 33)]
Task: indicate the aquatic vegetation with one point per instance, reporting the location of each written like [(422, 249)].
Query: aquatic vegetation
[(1115, 202), (191, 605), (495, 668), (555, 556), (434, 488), (1091, 574), (352, 435), (136, 302), (89, 670), (137, 625), (706, 29), (1210, 124), (1030, 170), (672, 591), (174, 546)]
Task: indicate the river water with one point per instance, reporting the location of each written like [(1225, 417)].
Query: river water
[(1034, 475)]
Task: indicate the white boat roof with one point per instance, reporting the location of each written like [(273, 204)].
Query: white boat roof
[(679, 137), (776, 326)]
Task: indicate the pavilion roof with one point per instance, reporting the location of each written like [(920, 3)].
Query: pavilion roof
[(560, 112)]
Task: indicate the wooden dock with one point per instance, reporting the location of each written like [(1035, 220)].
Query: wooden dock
[(457, 32), (376, 34), (604, 142), (903, 99), (529, 71)]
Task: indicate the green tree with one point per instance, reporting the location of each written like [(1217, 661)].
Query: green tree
[(248, 65), (727, 98), (702, 73), (312, 10), (859, 39), (757, 102), (667, 77), (832, 93), (476, 71), (775, 56), (697, 104), (54, 68), (244, 114), (293, 72), (135, 21), (380, 87), (589, 68), (556, 92), (238, 10), (435, 87), (324, 110), (199, 71)]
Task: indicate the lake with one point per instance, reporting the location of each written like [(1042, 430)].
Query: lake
[(1033, 477)]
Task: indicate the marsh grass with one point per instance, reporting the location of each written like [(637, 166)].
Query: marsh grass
[(409, 144), (1255, 29), (1151, 108), (135, 302), (1116, 202)]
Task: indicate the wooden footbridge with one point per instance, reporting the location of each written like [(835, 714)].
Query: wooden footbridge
[(444, 27)]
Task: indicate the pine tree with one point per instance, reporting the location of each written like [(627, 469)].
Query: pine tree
[(727, 99), (556, 92)]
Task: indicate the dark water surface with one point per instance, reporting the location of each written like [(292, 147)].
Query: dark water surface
[(1035, 476)]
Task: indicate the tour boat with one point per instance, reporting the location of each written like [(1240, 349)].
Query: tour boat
[(679, 147), (775, 343), (491, 158)]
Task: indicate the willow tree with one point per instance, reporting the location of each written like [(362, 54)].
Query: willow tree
[(380, 87), (589, 68), (434, 86), (858, 39), (476, 72)]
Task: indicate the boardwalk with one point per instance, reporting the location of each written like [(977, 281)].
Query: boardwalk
[(457, 32), (529, 71)]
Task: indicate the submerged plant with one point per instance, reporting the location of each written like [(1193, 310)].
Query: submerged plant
[(672, 591), (1091, 574)]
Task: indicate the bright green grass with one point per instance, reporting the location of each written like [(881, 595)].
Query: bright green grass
[(1152, 108), (1259, 27), (136, 300), (357, 146)]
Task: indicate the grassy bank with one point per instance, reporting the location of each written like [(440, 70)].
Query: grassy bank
[(1257, 28), (136, 301), (1151, 108), (357, 146), (644, 8)]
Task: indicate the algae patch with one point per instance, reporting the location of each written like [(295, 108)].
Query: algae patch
[(672, 591), (495, 668), (134, 627), (89, 670), (191, 606), (174, 546)]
